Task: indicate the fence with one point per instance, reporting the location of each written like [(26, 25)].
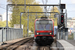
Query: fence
[(10, 34)]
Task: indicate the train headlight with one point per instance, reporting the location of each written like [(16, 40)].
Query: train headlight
[(50, 33), (37, 33)]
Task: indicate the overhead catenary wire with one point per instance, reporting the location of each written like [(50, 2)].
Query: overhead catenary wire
[(45, 7), (4, 8)]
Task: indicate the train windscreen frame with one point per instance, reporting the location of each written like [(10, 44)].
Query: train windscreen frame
[(44, 25)]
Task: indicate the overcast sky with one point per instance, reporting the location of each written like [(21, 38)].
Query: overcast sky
[(70, 6)]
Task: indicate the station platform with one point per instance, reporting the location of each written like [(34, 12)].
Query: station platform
[(66, 45), (71, 41)]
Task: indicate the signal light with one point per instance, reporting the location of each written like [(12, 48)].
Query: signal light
[(61, 16), (62, 19)]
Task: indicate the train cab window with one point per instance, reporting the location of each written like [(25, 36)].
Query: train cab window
[(43, 25)]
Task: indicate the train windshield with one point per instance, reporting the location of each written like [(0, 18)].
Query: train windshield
[(44, 25)]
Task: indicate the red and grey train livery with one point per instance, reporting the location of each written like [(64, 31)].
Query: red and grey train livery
[(44, 31)]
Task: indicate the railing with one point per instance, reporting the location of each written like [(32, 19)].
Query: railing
[(10, 34)]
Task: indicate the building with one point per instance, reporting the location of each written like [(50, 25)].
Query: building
[(71, 25), (18, 26)]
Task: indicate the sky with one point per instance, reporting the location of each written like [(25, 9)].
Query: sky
[(3, 9), (70, 6)]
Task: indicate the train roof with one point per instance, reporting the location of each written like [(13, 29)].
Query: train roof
[(44, 17)]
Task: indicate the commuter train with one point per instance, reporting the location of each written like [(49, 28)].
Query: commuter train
[(44, 31)]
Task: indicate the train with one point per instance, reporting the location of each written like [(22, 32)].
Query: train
[(44, 31)]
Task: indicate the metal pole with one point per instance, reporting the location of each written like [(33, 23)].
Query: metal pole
[(2, 37), (39, 12), (6, 21), (36, 15), (2, 34), (33, 5), (62, 34), (28, 24), (20, 20), (59, 33), (20, 23), (6, 15), (66, 33), (59, 5), (25, 3), (57, 36), (66, 19), (59, 1), (53, 8)]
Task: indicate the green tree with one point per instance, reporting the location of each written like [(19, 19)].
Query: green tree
[(55, 9), (16, 10), (3, 24)]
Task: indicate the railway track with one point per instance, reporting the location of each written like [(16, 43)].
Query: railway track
[(28, 44), (15, 45), (44, 48)]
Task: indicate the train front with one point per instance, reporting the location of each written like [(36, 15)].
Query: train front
[(44, 31)]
